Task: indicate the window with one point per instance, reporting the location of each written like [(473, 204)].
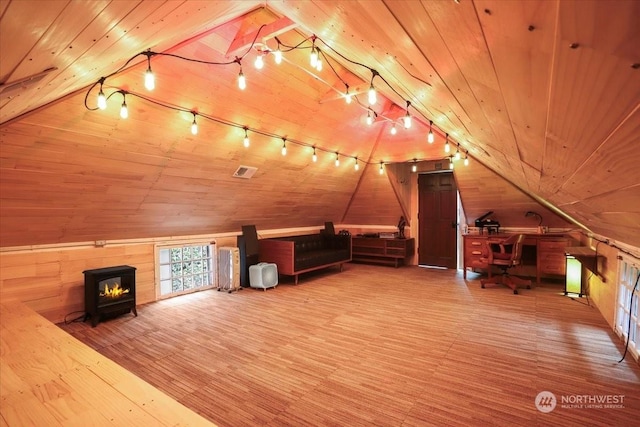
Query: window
[(628, 276), (186, 268)]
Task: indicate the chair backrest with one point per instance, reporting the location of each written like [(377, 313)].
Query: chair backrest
[(516, 251), (510, 252)]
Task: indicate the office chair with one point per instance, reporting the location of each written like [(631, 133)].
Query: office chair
[(505, 254)]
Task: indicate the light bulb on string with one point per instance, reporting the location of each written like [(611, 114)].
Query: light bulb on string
[(314, 157), (451, 162), (337, 159), (102, 100), (124, 111), (149, 79), (369, 118), (466, 159), (242, 82), (194, 125), (430, 137), (284, 147), (277, 55), (245, 142), (381, 168), (313, 58), (372, 96), (347, 95), (319, 60), (259, 63), (457, 155), (393, 129), (414, 166), (407, 117), (356, 166), (447, 148)]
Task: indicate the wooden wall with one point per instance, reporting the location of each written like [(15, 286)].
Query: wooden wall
[(50, 281)]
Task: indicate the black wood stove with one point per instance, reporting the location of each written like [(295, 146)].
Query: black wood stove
[(109, 291)]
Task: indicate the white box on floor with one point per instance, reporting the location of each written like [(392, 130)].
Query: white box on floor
[(263, 275)]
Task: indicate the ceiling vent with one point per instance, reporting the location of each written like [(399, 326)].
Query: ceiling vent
[(245, 172), (11, 89)]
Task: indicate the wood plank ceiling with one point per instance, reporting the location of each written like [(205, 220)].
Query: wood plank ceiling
[(542, 94)]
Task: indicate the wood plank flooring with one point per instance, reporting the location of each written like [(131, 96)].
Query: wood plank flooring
[(48, 378), (375, 345)]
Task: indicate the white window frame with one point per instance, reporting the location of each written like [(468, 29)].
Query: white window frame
[(628, 269), (161, 273)]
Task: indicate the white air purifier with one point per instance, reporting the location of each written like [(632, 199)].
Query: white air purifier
[(263, 275), (228, 269)]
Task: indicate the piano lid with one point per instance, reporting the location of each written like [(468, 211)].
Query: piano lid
[(484, 216)]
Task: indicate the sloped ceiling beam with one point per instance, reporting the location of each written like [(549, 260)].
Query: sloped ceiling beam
[(274, 29)]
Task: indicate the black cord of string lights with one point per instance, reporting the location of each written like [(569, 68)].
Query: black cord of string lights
[(238, 60)]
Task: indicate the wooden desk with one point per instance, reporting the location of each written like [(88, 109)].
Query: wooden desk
[(549, 256), (384, 251)]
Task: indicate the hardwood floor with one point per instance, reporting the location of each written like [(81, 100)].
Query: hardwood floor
[(375, 345)]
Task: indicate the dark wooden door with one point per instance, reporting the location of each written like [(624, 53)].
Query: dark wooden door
[(437, 219)]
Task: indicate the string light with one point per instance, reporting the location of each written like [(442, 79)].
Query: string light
[(407, 117), (194, 125), (124, 111), (259, 63), (451, 162), (277, 55), (316, 55), (284, 146), (149, 79), (102, 100), (245, 142), (313, 59), (414, 166), (319, 60), (347, 95), (337, 159), (430, 137), (242, 82), (373, 97), (315, 156)]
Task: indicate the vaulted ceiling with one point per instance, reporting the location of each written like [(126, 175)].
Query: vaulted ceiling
[(543, 97)]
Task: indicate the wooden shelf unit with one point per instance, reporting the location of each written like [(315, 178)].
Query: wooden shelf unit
[(383, 251), (549, 256)]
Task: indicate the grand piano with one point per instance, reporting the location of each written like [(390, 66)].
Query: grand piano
[(491, 225)]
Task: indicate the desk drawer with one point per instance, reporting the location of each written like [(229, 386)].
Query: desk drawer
[(556, 246), (473, 252), (551, 259)]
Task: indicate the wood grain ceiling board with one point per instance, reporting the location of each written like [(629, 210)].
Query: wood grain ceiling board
[(611, 167), (592, 88), (374, 202), (522, 57), (570, 113), (472, 77), (15, 49), (370, 34)]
